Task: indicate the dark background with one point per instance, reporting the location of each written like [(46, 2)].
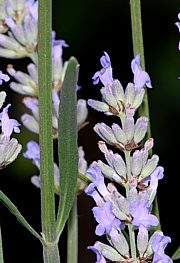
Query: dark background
[(91, 27)]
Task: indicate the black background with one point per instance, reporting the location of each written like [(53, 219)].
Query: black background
[(91, 27)]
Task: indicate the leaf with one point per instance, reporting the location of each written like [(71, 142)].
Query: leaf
[(176, 255), (67, 143), (13, 209)]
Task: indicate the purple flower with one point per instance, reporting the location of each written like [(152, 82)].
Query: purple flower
[(8, 125), (159, 243), (33, 152), (178, 23), (141, 214), (3, 77), (105, 74), (106, 219), (141, 77), (58, 49), (100, 258), (153, 178), (95, 173)]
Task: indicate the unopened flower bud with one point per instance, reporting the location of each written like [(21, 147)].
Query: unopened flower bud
[(142, 240), (119, 242), (35, 180), (119, 134), (138, 98), (82, 112), (109, 98), (130, 94), (108, 252), (140, 129), (109, 172), (136, 163), (2, 98), (119, 165), (26, 84), (128, 128), (9, 151), (98, 105), (149, 167), (123, 205), (118, 91), (30, 123), (105, 133), (149, 144)]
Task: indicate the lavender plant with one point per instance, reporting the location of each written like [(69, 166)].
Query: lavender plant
[(124, 206), (116, 212)]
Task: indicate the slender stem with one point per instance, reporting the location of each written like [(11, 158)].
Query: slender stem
[(130, 226), (45, 130), (138, 47), (132, 242), (72, 240), (1, 249)]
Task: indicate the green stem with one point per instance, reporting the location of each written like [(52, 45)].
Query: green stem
[(45, 129), (1, 249), (51, 253), (138, 47), (132, 242), (72, 240), (130, 226)]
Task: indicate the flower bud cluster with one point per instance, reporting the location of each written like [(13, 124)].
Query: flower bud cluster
[(9, 147), (114, 100), (118, 214)]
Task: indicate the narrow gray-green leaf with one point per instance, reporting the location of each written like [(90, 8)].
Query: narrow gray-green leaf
[(67, 143), (13, 209), (176, 255), (1, 248)]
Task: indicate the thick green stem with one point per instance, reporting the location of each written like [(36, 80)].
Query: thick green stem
[(51, 253), (138, 48), (45, 129), (72, 240), (130, 226)]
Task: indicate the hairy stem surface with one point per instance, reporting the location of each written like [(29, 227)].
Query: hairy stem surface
[(72, 241), (51, 253)]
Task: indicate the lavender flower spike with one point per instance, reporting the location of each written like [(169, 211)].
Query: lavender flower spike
[(105, 74), (3, 77), (141, 77)]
